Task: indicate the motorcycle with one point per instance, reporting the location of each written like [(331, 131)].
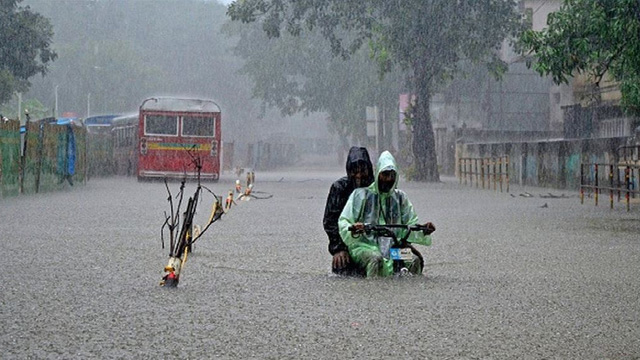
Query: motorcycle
[(398, 250)]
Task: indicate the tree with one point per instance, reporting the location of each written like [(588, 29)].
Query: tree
[(25, 37), (294, 74), (36, 109), (426, 39), (593, 38)]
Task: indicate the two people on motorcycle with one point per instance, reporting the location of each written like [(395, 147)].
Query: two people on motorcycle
[(380, 203)]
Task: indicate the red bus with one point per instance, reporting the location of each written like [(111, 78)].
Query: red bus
[(172, 132)]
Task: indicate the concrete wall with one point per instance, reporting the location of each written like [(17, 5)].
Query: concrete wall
[(554, 163)]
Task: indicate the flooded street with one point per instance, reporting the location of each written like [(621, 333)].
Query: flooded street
[(506, 277)]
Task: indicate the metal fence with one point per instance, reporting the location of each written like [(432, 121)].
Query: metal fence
[(485, 172), (618, 179)]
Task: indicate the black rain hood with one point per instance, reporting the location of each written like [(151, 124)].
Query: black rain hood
[(356, 156)]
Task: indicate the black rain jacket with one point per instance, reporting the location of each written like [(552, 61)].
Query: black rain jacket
[(338, 196)]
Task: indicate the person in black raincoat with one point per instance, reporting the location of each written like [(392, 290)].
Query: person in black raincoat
[(359, 174)]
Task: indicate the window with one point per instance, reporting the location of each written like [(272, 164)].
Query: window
[(197, 126), (161, 125), (124, 136)]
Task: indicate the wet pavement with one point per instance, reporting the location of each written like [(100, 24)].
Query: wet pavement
[(506, 277)]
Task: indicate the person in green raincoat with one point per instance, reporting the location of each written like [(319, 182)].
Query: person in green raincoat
[(378, 204)]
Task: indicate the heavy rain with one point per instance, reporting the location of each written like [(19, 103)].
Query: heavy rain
[(142, 143)]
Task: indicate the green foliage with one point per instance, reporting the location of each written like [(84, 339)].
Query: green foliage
[(594, 38), (410, 33), (25, 38), (36, 109), (298, 74), (7, 85)]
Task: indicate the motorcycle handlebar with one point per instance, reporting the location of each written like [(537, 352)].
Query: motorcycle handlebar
[(372, 227)]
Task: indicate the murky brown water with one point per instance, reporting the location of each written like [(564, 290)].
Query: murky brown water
[(506, 278)]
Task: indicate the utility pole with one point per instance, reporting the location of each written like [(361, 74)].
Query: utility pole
[(379, 128), (55, 107), (372, 125), (20, 108)]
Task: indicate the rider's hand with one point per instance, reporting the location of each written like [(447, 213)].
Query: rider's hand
[(429, 228), (358, 228), (341, 259)]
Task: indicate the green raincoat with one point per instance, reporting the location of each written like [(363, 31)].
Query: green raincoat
[(368, 205)]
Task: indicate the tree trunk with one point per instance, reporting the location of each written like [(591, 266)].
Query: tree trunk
[(424, 144)]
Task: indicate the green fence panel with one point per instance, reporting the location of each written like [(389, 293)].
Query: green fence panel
[(42, 171), (9, 157)]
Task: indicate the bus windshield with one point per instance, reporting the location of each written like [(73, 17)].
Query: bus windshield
[(161, 125), (197, 126)]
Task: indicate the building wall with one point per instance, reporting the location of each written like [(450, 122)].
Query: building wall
[(554, 164)]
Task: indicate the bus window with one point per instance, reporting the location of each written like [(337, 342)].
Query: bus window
[(197, 126), (161, 125), (99, 124)]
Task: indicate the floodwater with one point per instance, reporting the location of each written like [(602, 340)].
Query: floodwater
[(506, 277)]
